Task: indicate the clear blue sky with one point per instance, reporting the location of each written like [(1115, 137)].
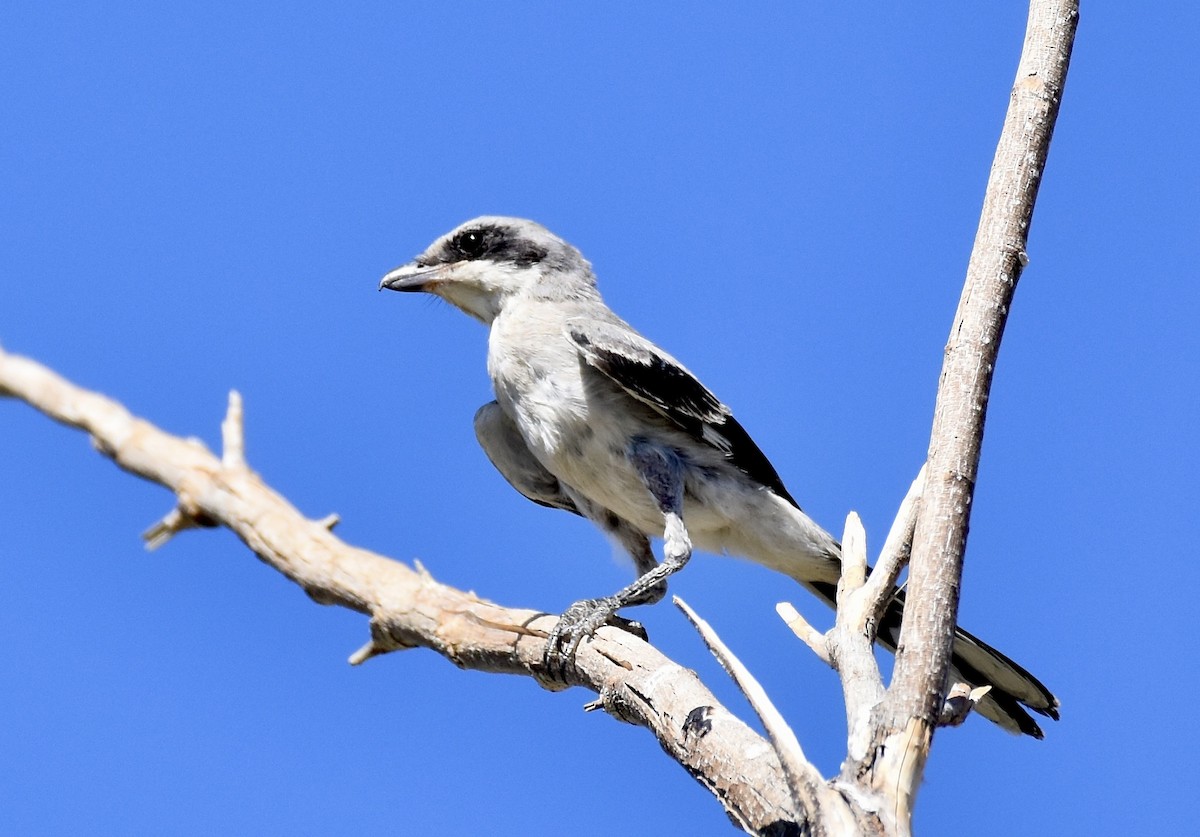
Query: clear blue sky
[(195, 199)]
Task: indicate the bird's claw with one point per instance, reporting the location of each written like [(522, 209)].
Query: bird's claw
[(577, 623)]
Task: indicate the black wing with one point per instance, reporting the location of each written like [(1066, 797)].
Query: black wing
[(655, 378)]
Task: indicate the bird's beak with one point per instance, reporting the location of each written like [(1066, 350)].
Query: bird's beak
[(411, 277)]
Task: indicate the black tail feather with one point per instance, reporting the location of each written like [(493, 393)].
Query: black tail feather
[(1014, 690)]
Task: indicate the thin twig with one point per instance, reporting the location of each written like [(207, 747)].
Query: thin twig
[(803, 779), (233, 433), (809, 635), (894, 556)]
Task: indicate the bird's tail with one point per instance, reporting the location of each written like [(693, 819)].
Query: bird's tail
[(1013, 688)]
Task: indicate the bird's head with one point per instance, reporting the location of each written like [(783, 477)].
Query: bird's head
[(482, 264)]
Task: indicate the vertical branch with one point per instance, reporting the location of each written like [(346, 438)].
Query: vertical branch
[(996, 262)]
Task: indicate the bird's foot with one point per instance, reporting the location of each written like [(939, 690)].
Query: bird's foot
[(579, 622)]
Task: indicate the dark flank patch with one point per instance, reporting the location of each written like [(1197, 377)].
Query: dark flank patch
[(583, 435), (576, 441), (494, 242)]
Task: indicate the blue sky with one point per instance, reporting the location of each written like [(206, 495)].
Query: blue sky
[(194, 199)]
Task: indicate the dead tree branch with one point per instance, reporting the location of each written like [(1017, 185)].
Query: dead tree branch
[(406, 606), (914, 701)]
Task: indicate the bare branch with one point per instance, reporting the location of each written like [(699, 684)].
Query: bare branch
[(959, 703), (170, 525), (955, 443), (233, 434), (914, 701), (854, 556), (851, 642), (811, 637), (894, 556), (408, 608)]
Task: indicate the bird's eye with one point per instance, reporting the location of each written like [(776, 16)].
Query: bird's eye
[(471, 244)]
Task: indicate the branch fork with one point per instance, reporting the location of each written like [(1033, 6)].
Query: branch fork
[(862, 597)]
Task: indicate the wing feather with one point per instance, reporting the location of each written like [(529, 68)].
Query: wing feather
[(655, 378), (502, 442)]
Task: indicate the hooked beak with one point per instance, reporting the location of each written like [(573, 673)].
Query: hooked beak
[(411, 277)]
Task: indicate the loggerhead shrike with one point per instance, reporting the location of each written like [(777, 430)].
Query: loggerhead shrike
[(593, 418)]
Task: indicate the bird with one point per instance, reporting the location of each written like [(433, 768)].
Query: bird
[(592, 418)]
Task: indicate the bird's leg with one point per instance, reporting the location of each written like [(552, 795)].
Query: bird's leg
[(661, 471), (638, 547)]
